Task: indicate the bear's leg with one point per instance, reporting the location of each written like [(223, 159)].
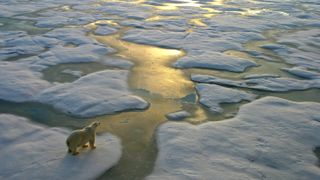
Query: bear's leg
[(69, 150), (85, 145), (91, 142)]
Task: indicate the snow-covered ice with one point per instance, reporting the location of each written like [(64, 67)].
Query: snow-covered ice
[(73, 35), (179, 115), (212, 96), (270, 138), (214, 60), (18, 83), (99, 93), (127, 10), (117, 62), (303, 72), (31, 151), (104, 92), (80, 54), (275, 84), (105, 30), (254, 76), (54, 18), (301, 48), (20, 43), (155, 37)]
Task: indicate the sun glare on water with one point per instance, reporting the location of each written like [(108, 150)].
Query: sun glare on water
[(152, 69)]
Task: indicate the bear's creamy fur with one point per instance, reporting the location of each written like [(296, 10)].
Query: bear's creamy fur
[(80, 138)]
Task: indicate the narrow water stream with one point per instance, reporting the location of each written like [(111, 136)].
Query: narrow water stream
[(162, 86)]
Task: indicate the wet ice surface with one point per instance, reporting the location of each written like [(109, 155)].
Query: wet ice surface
[(50, 52)]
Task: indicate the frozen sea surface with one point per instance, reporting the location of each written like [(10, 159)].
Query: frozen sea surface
[(222, 54)]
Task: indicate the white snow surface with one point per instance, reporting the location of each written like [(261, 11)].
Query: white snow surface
[(31, 151), (179, 115), (213, 60), (302, 48), (105, 30), (270, 138), (302, 72), (18, 83), (73, 35), (20, 43), (104, 92), (254, 76), (117, 62), (212, 95), (274, 84), (83, 53)]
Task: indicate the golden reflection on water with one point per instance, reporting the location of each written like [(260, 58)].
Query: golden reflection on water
[(152, 70), (159, 18), (167, 7), (252, 12), (175, 6), (93, 25), (153, 79), (198, 22), (217, 2)]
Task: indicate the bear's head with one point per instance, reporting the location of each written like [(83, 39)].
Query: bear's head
[(95, 124)]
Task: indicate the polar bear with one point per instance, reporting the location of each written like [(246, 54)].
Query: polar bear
[(80, 138)]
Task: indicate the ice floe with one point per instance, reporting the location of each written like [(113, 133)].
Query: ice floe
[(31, 151), (104, 92), (105, 30), (301, 48), (121, 9), (67, 35), (212, 96), (16, 43), (270, 138), (82, 53), (155, 37), (54, 18), (198, 40), (117, 62), (254, 76), (214, 60), (18, 83), (176, 116), (280, 84), (302, 72)]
